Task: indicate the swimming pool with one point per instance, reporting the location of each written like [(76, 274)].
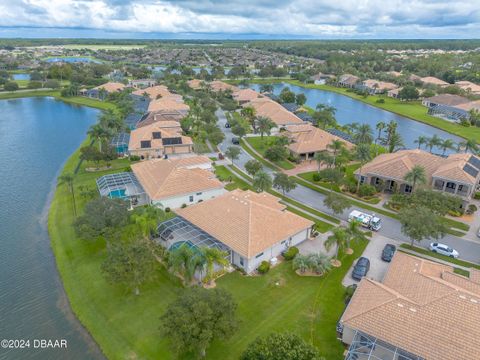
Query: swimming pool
[(117, 194)]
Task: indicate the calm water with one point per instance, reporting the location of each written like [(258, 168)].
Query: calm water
[(37, 135), (350, 110), (21, 76), (72, 59)]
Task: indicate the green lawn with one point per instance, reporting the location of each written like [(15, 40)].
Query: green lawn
[(261, 145), (126, 326), (411, 109), (235, 182), (259, 158)]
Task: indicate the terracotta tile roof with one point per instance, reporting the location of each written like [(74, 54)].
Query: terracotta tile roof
[(195, 84), (245, 221), (154, 92), (246, 95), (468, 86), (422, 307), (433, 81), (447, 99), (396, 165), (145, 133), (169, 103), (164, 178), (379, 85), (308, 138), (111, 87), (273, 110), (161, 115), (348, 79), (218, 85), (472, 105)]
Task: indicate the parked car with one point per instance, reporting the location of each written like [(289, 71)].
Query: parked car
[(361, 268), (235, 140), (443, 250), (388, 252), (227, 125)]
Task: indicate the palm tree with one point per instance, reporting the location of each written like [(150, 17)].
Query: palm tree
[(325, 114), (337, 239), (470, 144), (213, 256), (265, 124), (447, 144), (362, 154), (433, 142), (321, 157), (183, 261), (354, 233), (395, 141), (391, 129), (421, 140), (336, 146), (380, 127), (416, 175), (68, 179), (99, 133), (146, 221), (363, 134), (301, 263), (319, 263)]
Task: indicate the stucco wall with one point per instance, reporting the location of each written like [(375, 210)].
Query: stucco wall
[(177, 201)]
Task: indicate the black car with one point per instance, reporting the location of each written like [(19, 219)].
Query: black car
[(361, 268), (388, 252), (227, 125), (236, 141)]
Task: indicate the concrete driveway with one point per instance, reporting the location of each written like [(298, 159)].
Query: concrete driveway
[(373, 252)]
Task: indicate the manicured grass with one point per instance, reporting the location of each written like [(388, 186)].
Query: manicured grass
[(258, 158), (126, 326), (235, 182), (411, 109), (456, 224), (441, 257), (261, 145)]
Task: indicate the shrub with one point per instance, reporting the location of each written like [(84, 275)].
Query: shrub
[(380, 101), (367, 190), (184, 206), (472, 208), (454, 213), (264, 267), (167, 209), (290, 253), (10, 86), (477, 195), (134, 158), (52, 84), (316, 177)]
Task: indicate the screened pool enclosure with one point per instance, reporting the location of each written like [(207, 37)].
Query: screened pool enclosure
[(122, 186), (120, 143), (176, 232)]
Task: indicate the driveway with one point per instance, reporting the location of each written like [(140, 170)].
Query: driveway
[(469, 249), (373, 252)]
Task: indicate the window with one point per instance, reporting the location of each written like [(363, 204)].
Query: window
[(363, 179), (190, 198), (256, 257), (450, 185), (157, 135), (199, 193), (460, 187), (377, 181), (241, 260), (408, 188), (145, 144), (283, 242)]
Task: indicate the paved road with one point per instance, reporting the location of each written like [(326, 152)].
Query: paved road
[(391, 228)]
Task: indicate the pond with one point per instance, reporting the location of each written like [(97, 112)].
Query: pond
[(350, 110), (72, 59), (37, 135)]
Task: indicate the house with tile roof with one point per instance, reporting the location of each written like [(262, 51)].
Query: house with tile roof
[(469, 87), (173, 102), (375, 86), (159, 116), (218, 85), (457, 174), (245, 95), (157, 140), (195, 84), (348, 80), (253, 227), (422, 310), (274, 111), (100, 91), (155, 92), (446, 106), (170, 183), (142, 83), (306, 140), (431, 80)]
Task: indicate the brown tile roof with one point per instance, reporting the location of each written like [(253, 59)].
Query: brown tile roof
[(154, 92), (307, 138), (218, 85), (422, 307), (161, 115), (468, 86), (164, 178), (349, 79), (273, 110), (169, 103), (246, 95), (195, 84), (379, 85), (447, 99), (111, 87), (144, 133), (396, 165), (433, 81), (245, 221), (472, 105)]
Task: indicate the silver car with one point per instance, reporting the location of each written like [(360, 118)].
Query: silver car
[(443, 250)]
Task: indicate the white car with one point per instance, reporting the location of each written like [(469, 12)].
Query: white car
[(443, 250)]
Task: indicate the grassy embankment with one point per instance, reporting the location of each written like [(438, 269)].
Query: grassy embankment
[(126, 326)]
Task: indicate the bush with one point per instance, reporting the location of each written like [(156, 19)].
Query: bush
[(134, 158), (477, 195), (10, 86), (184, 206), (380, 101), (316, 177), (290, 253), (34, 85), (52, 84), (454, 213), (167, 209), (264, 267), (472, 208), (366, 190)]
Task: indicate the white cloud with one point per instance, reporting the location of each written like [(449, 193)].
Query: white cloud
[(318, 18)]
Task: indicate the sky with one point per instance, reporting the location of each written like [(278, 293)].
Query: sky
[(241, 19)]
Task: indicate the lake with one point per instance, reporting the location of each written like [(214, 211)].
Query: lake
[(350, 110), (37, 135), (72, 59)]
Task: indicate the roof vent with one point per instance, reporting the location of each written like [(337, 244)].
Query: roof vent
[(463, 297), (400, 305), (474, 301), (413, 310)]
